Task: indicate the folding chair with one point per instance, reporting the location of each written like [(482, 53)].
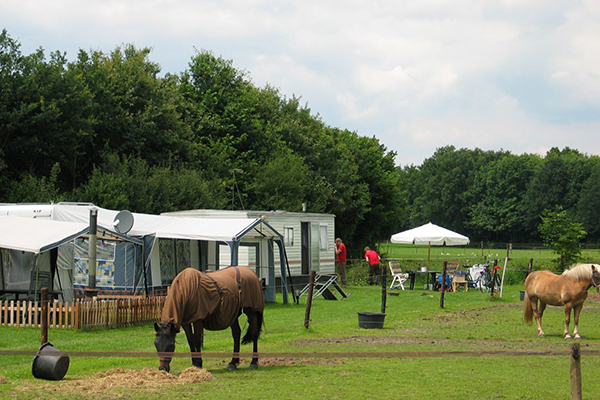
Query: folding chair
[(398, 276)]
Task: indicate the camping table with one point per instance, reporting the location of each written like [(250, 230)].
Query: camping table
[(413, 273)]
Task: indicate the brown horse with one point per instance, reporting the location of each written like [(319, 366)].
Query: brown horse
[(569, 290), (212, 301)]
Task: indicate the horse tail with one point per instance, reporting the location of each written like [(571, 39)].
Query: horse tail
[(254, 327), (527, 310)]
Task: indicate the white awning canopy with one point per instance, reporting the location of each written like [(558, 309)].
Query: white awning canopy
[(430, 234), (37, 235), (169, 227)]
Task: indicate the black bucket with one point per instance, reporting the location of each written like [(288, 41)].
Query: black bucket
[(50, 363), (522, 295), (371, 320)]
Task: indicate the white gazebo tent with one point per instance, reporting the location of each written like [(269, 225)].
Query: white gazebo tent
[(430, 234)]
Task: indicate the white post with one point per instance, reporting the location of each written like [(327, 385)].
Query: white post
[(503, 272)]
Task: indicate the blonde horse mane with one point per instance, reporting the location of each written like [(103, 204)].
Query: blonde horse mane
[(579, 272)]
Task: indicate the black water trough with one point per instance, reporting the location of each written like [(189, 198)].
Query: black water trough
[(50, 363), (370, 320)]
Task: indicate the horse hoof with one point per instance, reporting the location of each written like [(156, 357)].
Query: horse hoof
[(231, 367), (568, 337), (577, 337), (541, 335), (253, 366)]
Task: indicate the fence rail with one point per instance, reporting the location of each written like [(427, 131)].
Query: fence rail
[(83, 313)]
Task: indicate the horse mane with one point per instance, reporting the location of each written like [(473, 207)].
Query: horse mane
[(579, 272)]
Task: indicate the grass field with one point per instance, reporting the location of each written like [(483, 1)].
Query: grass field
[(414, 323), (543, 257)]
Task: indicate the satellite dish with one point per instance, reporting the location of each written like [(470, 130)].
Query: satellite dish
[(123, 221)]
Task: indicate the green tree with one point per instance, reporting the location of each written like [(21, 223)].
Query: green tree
[(130, 183), (33, 189), (557, 182), (562, 233), (43, 113), (135, 112), (281, 184), (444, 192), (500, 188), (588, 206)]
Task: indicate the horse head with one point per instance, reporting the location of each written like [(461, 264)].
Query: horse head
[(165, 343), (596, 277)]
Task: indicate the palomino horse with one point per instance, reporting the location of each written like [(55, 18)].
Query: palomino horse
[(212, 301), (569, 290)]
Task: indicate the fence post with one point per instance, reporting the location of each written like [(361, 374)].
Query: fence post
[(311, 285), (576, 393), (443, 284), (383, 288), (44, 322)]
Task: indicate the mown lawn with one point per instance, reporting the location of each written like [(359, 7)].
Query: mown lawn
[(520, 257), (414, 323)]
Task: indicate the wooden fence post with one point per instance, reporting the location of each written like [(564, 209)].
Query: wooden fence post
[(576, 393), (383, 288), (311, 285), (44, 322)]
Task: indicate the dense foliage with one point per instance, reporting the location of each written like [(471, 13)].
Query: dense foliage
[(110, 129)]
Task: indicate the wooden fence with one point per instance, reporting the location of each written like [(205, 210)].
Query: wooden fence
[(80, 314)]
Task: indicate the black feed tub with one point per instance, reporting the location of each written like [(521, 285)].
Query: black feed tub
[(371, 320), (50, 363)]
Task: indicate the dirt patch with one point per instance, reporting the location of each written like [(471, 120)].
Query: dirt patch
[(288, 361), (473, 315), (117, 382), (463, 344), (3, 380)]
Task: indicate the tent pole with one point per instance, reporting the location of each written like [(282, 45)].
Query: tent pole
[(287, 263), (91, 289), (144, 269), (429, 255)]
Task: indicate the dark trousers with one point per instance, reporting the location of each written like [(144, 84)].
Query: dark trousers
[(342, 269), (374, 271)]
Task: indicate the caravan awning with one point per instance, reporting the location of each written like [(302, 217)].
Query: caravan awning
[(37, 235), (169, 227)]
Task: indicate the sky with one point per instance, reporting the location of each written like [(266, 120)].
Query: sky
[(517, 75)]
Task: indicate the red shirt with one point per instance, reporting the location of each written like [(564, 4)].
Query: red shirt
[(372, 257), (340, 254)]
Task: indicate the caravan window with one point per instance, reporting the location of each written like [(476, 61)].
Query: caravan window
[(323, 237), (288, 236)]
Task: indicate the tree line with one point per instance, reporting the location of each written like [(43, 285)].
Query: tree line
[(109, 128)]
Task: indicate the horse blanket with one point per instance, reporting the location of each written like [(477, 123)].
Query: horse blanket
[(217, 298)]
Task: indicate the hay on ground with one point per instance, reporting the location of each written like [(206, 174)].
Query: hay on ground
[(123, 380)]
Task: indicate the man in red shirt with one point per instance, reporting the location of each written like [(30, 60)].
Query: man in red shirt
[(340, 259), (373, 259)]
